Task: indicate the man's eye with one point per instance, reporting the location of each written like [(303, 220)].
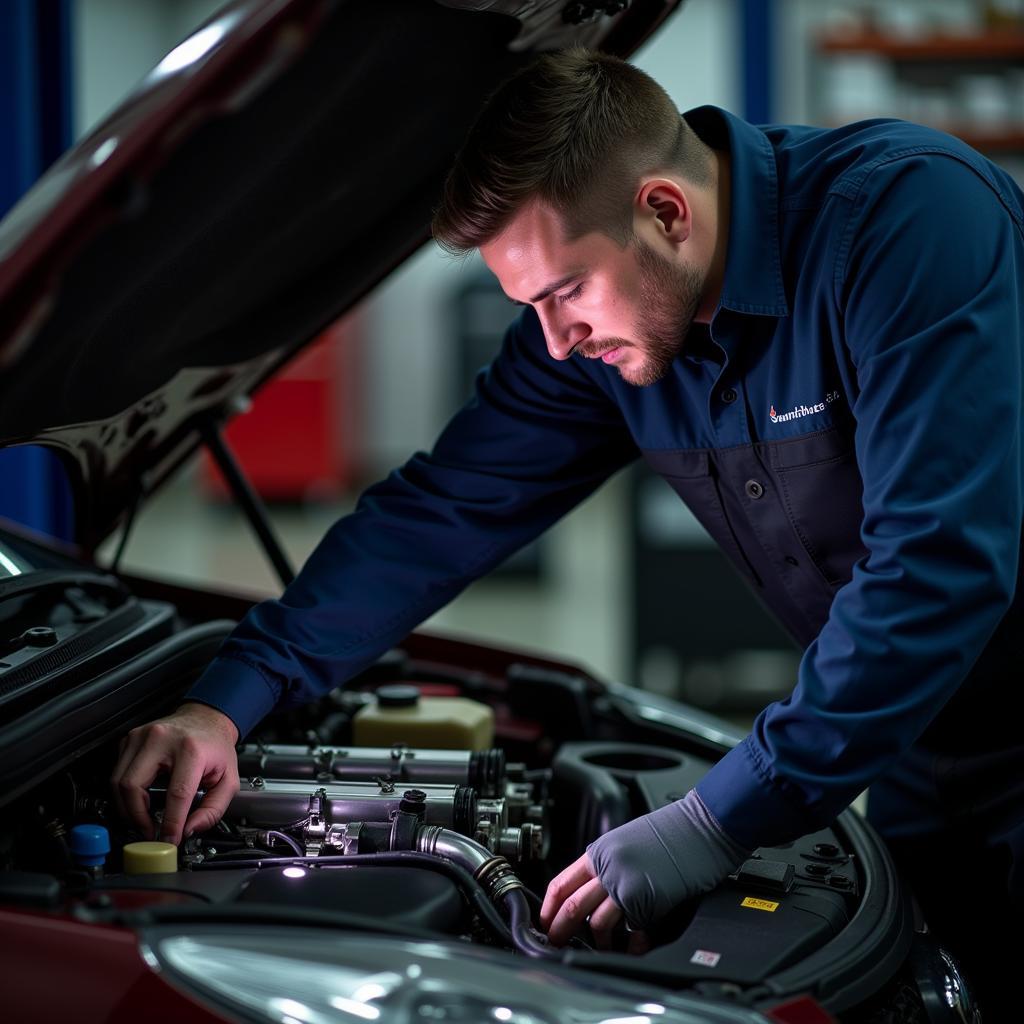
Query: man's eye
[(571, 296)]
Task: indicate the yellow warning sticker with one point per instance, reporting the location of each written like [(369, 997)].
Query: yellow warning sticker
[(757, 904)]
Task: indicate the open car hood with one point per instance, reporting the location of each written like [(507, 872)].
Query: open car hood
[(270, 171)]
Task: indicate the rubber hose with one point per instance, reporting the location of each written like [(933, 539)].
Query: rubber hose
[(527, 941)]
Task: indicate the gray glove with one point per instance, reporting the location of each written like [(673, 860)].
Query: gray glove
[(657, 861)]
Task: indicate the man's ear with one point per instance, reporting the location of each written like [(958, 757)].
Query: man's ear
[(663, 203)]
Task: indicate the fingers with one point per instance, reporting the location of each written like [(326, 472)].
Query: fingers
[(219, 791), (187, 774), (575, 910), (576, 897), (144, 756), (603, 921), (563, 885), (196, 744)]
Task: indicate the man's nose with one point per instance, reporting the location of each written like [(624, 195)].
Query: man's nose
[(562, 338)]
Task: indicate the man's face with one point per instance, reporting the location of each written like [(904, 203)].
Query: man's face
[(630, 307)]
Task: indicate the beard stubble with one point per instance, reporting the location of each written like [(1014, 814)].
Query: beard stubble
[(668, 300)]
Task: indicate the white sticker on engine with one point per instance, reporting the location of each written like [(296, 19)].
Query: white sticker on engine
[(705, 958)]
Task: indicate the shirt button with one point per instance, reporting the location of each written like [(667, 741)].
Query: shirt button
[(729, 396), (790, 560), (755, 489)]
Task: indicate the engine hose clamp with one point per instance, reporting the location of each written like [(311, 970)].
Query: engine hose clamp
[(497, 877)]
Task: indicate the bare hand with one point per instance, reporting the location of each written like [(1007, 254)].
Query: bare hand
[(196, 744), (576, 896)]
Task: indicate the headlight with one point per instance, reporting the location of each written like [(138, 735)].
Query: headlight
[(300, 976)]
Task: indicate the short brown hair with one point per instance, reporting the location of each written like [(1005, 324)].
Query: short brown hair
[(575, 129)]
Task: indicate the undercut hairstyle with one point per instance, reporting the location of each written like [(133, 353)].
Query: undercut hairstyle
[(577, 130)]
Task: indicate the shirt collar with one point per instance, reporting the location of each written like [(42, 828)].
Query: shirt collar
[(753, 265)]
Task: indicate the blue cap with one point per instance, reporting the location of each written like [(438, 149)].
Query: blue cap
[(90, 844)]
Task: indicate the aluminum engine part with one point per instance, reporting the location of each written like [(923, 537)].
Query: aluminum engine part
[(515, 843), (284, 803), (519, 801), (493, 811), (492, 870), (483, 770), (329, 816), (494, 873)]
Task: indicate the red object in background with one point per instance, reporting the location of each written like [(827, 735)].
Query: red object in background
[(801, 1010), (298, 441)]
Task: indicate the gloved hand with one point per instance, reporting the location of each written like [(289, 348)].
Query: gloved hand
[(196, 744), (641, 869)]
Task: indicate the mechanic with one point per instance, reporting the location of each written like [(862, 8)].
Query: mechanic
[(816, 337)]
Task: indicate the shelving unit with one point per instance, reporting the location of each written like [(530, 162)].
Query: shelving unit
[(981, 46), (937, 65)]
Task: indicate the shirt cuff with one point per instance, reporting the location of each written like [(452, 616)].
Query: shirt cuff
[(751, 808), (238, 690)]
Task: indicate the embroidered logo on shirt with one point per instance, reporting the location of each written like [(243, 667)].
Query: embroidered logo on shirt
[(802, 410)]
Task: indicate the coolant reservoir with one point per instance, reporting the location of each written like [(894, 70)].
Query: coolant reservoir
[(400, 714)]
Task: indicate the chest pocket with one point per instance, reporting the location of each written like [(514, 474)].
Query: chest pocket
[(820, 487), (787, 514), (693, 476)]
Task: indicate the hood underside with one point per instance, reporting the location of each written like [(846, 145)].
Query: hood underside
[(268, 173)]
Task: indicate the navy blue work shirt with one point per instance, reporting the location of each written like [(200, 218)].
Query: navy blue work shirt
[(848, 428)]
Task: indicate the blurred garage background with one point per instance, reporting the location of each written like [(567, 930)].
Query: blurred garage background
[(628, 585)]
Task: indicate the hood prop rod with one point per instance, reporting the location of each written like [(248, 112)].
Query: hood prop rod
[(250, 502)]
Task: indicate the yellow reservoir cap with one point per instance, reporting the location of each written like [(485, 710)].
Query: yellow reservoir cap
[(150, 858)]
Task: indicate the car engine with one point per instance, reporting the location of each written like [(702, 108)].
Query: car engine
[(420, 840), (419, 833)]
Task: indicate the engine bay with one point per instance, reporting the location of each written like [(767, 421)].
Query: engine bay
[(431, 798), (420, 841)]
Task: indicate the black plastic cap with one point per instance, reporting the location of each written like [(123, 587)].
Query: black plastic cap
[(398, 695)]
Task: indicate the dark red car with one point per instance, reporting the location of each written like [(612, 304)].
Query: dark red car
[(157, 275)]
